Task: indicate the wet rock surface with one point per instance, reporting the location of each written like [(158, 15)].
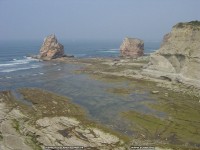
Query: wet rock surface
[(26, 128), (179, 103), (51, 112)]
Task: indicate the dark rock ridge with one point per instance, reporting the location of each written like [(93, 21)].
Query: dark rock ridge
[(178, 58), (132, 47), (51, 48)]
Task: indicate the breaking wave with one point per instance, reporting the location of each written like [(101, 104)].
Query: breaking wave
[(18, 64)]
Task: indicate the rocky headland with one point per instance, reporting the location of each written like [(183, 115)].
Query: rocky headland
[(51, 48), (178, 58), (132, 47)]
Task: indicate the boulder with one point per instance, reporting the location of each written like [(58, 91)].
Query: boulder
[(51, 49), (132, 47), (178, 58)]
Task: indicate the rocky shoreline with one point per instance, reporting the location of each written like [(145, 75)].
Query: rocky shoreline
[(176, 61), (178, 100), (33, 130), (129, 68), (168, 93), (50, 120)]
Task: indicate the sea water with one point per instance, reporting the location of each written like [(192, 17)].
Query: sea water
[(18, 70), (14, 55)]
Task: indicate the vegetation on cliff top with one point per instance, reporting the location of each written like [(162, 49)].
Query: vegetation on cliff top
[(194, 24)]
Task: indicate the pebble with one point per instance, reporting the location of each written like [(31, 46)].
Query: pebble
[(154, 92)]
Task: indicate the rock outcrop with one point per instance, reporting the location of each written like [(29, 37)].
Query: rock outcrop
[(23, 127), (132, 47), (178, 58), (51, 49)]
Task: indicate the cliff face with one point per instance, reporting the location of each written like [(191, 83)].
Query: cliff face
[(51, 49), (132, 47), (179, 55)]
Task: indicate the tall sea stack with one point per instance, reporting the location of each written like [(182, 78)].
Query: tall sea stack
[(51, 49), (132, 47)]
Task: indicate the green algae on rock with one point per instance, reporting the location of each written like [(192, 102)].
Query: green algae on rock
[(52, 120), (176, 128), (179, 128)]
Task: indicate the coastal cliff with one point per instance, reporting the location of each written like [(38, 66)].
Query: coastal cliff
[(132, 47), (51, 48), (178, 58)]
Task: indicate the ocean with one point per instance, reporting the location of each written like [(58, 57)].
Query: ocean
[(18, 70), (14, 55)]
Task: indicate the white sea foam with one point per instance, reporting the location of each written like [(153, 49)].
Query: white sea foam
[(109, 51), (114, 49), (20, 68), (18, 64), (8, 77), (15, 62)]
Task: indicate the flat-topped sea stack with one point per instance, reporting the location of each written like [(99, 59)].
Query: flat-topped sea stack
[(178, 58), (51, 49), (132, 47)]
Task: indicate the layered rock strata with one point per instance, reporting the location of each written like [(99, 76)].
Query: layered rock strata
[(132, 47), (51, 48), (178, 58), (50, 120)]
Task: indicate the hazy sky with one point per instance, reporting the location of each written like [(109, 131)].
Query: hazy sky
[(93, 19)]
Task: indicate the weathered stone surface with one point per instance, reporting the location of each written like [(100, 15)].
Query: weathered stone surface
[(10, 138), (69, 131), (15, 142), (16, 131), (179, 55), (154, 92), (132, 47), (51, 49)]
